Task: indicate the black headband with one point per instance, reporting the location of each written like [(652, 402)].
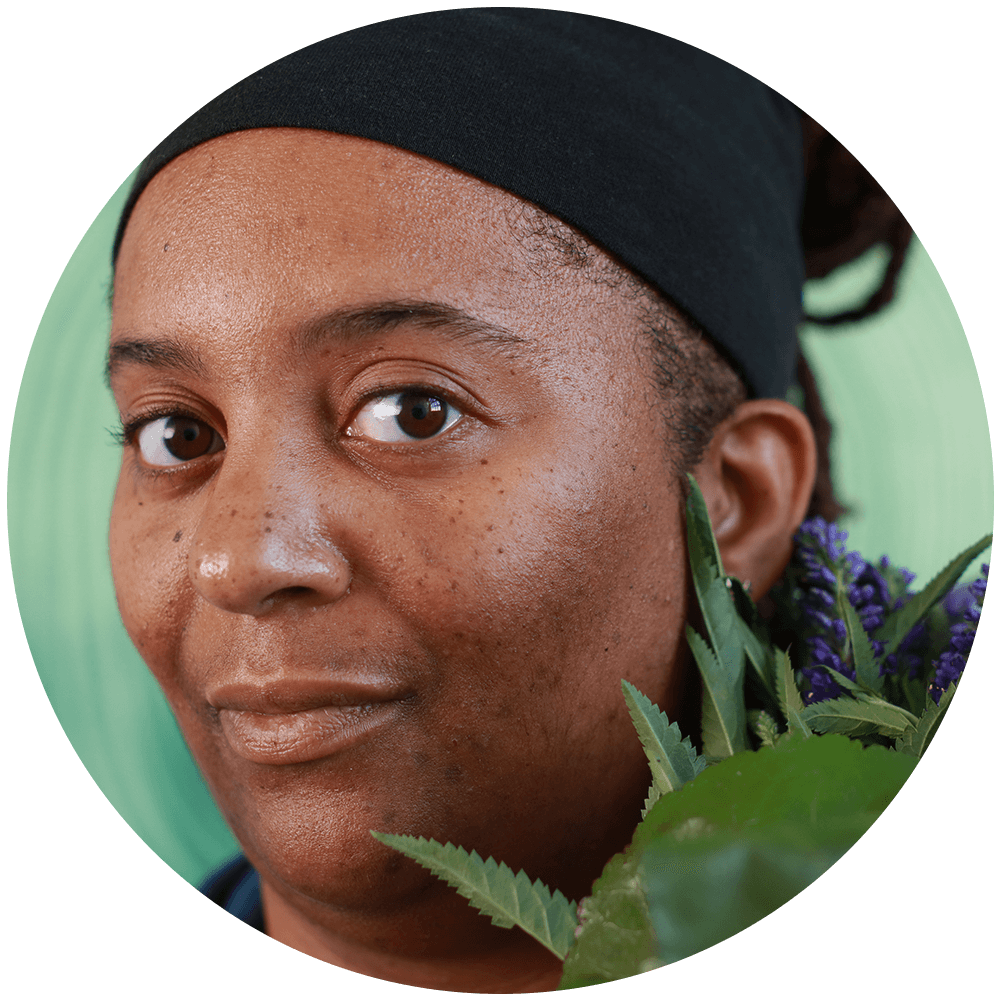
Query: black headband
[(685, 168)]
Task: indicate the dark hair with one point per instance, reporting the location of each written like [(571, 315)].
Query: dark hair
[(845, 213)]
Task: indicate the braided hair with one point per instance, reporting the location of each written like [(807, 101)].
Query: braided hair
[(845, 213)]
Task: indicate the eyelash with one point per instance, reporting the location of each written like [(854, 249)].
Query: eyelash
[(125, 434)]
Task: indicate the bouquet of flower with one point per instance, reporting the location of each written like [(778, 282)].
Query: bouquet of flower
[(811, 722)]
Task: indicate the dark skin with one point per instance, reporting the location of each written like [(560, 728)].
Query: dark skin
[(396, 515)]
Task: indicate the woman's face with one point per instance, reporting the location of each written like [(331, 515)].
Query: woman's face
[(395, 515)]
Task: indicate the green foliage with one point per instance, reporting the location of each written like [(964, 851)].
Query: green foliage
[(720, 847), (506, 898), (723, 711), (898, 624), (673, 761), (789, 698), (914, 741), (728, 848), (865, 666), (720, 660), (764, 726), (615, 938), (769, 824), (854, 717)]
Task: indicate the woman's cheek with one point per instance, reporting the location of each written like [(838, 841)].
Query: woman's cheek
[(148, 553)]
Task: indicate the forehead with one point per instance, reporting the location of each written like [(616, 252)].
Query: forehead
[(277, 226), (298, 210)]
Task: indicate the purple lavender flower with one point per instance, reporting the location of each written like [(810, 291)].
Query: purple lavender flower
[(909, 655), (822, 687), (822, 534), (967, 601), (820, 557)]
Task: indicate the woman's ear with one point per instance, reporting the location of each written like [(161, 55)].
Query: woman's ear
[(757, 478)]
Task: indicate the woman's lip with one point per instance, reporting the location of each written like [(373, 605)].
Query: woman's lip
[(290, 695), (300, 736)]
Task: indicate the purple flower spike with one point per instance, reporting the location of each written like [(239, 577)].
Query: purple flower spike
[(820, 597), (948, 667), (818, 618), (822, 686), (855, 563), (821, 576)]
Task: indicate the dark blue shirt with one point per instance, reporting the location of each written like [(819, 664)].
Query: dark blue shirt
[(236, 888)]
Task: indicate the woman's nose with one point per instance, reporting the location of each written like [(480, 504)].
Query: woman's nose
[(249, 556)]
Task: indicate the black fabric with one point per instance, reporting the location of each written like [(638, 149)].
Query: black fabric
[(236, 888), (685, 168)]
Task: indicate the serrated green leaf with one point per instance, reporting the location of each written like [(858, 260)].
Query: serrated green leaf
[(858, 693), (703, 549), (651, 796), (731, 621), (855, 717), (865, 667), (914, 741), (789, 697), (507, 899), (673, 761), (764, 726), (756, 644), (723, 625), (898, 624), (723, 712)]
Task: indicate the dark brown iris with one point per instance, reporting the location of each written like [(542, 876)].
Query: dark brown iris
[(186, 438), (420, 415)]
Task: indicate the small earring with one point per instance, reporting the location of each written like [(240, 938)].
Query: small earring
[(748, 587)]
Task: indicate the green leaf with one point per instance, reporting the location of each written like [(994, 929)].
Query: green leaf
[(703, 549), (851, 717), (860, 694), (723, 624), (789, 697), (735, 622), (672, 759), (865, 667), (726, 630), (914, 741), (764, 726), (753, 831), (506, 898), (913, 692), (898, 624), (651, 796), (756, 643), (615, 938), (721, 659), (723, 712)]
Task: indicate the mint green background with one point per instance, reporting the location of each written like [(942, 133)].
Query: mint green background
[(912, 458)]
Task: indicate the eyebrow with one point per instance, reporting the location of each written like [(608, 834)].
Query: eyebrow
[(342, 324)]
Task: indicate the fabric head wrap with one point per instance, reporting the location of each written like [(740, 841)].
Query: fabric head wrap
[(686, 169)]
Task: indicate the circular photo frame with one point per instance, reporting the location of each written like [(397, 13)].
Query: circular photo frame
[(60, 477)]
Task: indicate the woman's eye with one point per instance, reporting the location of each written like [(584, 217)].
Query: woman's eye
[(404, 416), (174, 440)]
